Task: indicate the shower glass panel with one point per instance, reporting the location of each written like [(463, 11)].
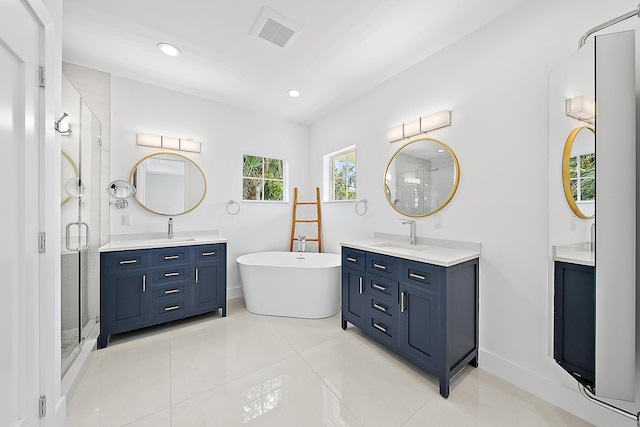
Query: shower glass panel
[(80, 219)]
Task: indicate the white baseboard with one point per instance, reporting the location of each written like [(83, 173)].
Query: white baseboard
[(233, 293), (551, 391)]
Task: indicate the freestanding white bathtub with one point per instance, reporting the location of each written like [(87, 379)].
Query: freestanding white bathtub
[(291, 284)]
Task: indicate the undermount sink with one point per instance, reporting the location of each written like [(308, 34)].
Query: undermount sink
[(399, 247), (174, 240)]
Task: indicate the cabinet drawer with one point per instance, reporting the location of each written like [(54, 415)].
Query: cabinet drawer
[(383, 308), (353, 258), (383, 265), (169, 291), (384, 329), (426, 276), (382, 287), (162, 275), (169, 309), (171, 256), (209, 252), (121, 262)]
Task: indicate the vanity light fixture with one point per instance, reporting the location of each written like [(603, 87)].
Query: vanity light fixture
[(169, 49), (168, 142), (423, 124), (294, 93), (582, 108)]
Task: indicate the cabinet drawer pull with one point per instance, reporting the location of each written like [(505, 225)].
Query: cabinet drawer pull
[(173, 307), (172, 291), (196, 275), (351, 259), (171, 274), (208, 253), (403, 307), (380, 328), (380, 266), (128, 261), (361, 285), (380, 288), (417, 276), (171, 257), (380, 307), (144, 283)]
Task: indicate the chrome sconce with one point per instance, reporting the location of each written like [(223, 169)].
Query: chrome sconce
[(62, 126), (168, 142), (121, 190), (422, 124), (582, 108)]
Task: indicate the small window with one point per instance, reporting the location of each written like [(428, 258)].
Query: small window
[(262, 178), (582, 177), (340, 169)]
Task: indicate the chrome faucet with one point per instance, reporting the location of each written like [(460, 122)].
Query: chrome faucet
[(412, 230), (302, 243), (170, 229)]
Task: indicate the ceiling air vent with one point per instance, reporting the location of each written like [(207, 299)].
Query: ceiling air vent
[(275, 28)]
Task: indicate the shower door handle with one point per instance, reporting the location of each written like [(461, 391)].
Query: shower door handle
[(82, 246)]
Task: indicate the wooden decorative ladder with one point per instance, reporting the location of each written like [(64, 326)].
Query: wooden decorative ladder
[(295, 219)]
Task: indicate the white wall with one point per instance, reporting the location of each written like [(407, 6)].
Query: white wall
[(495, 82), (226, 134)]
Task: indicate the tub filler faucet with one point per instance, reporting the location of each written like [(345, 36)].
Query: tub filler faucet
[(412, 230), (170, 229), (302, 243)]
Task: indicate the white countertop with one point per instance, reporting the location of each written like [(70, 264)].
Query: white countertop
[(438, 252), (576, 253), (159, 240)]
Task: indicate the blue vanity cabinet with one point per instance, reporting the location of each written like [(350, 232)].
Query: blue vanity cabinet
[(353, 288), (124, 303), (146, 287), (209, 285), (574, 335), (382, 297), (439, 317), (170, 283), (426, 313)]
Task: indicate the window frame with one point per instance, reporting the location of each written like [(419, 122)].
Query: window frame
[(263, 179), (329, 178)]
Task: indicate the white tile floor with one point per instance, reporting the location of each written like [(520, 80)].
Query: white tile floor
[(272, 371)]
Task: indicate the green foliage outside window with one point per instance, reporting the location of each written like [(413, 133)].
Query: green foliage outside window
[(343, 176), (582, 177), (263, 178)]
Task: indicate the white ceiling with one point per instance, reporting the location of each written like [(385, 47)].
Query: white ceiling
[(344, 48)]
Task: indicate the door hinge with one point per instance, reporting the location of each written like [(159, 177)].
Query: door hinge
[(42, 242), (43, 406), (42, 77)]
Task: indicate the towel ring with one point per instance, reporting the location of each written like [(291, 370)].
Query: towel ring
[(233, 211), (361, 212)]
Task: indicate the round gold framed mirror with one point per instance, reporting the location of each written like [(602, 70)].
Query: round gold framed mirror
[(168, 184), (579, 171), (421, 177)]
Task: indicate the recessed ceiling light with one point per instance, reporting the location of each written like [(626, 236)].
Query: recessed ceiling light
[(294, 93), (169, 49)]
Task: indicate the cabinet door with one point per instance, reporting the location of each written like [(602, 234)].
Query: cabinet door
[(206, 288), (419, 325), (128, 301), (574, 320), (353, 297)]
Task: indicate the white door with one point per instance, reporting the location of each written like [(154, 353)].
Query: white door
[(20, 39)]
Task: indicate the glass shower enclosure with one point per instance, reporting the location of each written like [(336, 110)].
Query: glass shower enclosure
[(80, 222)]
